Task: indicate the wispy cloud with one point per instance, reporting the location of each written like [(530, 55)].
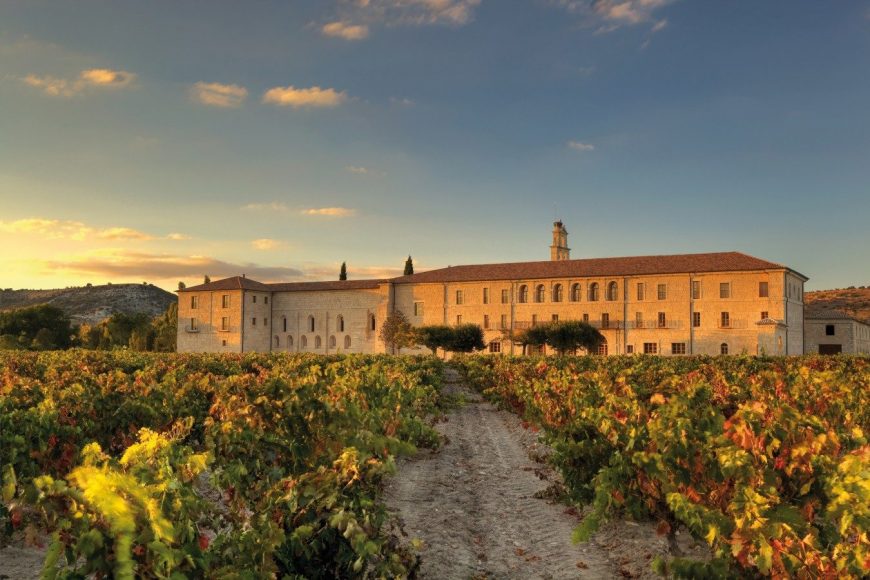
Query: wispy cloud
[(96, 78), (329, 211), (401, 101), (117, 263), (608, 15), (330, 271), (345, 30), (313, 97), (266, 244), (218, 95), (54, 229), (580, 146), (268, 206), (357, 169)]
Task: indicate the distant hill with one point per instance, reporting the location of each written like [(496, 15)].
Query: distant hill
[(853, 301), (91, 304)]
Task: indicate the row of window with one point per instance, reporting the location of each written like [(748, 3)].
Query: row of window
[(318, 343), (593, 293), (225, 323), (661, 321), (225, 301)]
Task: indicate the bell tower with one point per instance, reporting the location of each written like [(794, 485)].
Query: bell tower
[(560, 250)]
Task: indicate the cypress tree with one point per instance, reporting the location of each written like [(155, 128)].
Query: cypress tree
[(409, 266), (343, 274)]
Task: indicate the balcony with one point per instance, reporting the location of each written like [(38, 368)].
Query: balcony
[(192, 330), (655, 325), (731, 324)]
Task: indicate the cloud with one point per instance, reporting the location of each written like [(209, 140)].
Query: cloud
[(330, 211), (660, 25), (345, 30), (613, 14), (96, 78), (53, 229), (141, 265), (401, 102), (271, 206), (330, 271), (357, 170), (313, 97), (218, 95), (580, 146), (266, 244)]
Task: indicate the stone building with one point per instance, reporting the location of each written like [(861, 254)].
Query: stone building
[(828, 331), (715, 303)]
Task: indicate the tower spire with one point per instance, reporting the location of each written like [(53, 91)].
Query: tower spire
[(560, 250)]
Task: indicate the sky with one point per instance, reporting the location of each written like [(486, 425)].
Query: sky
[(161, 141)]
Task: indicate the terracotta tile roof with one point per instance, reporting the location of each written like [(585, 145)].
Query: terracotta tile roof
[(812, 312), (234, 283), (330, 285), (594, 268)]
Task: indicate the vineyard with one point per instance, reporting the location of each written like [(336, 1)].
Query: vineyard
[(764, 459), (178, 466)]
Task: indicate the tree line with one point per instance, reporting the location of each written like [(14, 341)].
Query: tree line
[(47, 327), (568, 336)]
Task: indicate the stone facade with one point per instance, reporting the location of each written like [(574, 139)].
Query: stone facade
[(832, 332), (726, 303)]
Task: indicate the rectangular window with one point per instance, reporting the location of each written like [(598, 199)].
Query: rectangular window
[(504, 321), (486, 321), (459, 297), (495, 346), (764, 315), (225, 323), (265, 322), (534, 319), (505, 296), (555, 318), (725, 290), (486, 295), (194, 302), (725, 321), (225, 301), (663, 320), (224, 342), (458, 319), (418, 309), (266, 300), (285, 324), (605, 320), (255, 298), (585, 317), (663, 291), (763, 290), (696, 319), (629, 349), (678, 348), (696, 290), (253, 322), (641, 290), (638, 319), (193, 324), (829, 330), (650, 348)]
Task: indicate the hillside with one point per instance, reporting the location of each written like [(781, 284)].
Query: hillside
[(91, 304), (853, 301)]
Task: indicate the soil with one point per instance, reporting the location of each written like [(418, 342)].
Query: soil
[(476, 507)]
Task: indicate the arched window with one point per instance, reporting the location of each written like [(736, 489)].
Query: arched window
[(310, 324), (539, 293), (372, 323), (723, 348), (575, 292), (289, 341), (523, 294), (612, 291), (277, 342), (340, 323), (285, 324), (602, 348), (304, 341), (346, 341), (332, 341), (317, 341), (593, 292), (557, 293)]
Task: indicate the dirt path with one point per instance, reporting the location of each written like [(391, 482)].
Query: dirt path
[(473, 504)]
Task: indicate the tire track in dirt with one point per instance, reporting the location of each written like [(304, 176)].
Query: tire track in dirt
[(473, 504)]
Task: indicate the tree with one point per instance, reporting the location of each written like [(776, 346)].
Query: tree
[(165, 329), (467, 338), (435, 337), (397, 333), (342, 275), (38, 327), (182, 285), (569, 335), (409, 266), (206, 279)]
